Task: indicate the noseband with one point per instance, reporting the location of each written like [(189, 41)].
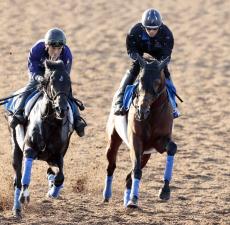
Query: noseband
[(156, 95)]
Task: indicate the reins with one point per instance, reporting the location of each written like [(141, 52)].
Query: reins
[(3, 100)]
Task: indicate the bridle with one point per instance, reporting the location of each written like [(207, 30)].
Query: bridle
[(150, 98), (51, 98)]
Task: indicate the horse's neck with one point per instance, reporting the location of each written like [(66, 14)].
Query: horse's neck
[(46, 107)]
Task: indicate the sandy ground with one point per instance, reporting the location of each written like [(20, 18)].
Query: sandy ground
[(96, 32)]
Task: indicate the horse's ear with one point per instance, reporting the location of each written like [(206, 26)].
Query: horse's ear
[(48, 64), (164, 63), (141, 60)]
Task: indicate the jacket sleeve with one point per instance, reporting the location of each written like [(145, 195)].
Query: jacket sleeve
[(168, 43), (35, 66), (68, 59), (132, 43)]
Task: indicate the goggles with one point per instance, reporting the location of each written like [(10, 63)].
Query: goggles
[(151, 28), (56, 43)]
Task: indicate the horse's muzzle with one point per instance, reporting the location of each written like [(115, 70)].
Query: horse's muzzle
[(61, 113)]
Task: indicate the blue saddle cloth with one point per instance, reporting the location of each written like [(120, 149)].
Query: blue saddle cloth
[(130, 89), (128, 96), (11, 104)]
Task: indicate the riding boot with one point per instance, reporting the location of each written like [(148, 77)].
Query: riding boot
[(18, 116), (128, 79), (79, 123), (172, 98)]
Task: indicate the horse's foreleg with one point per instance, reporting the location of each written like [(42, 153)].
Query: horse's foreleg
[(54, 191), (171, 148), (136, 155), (111, 154), (17, 165), (30, 155), (127, 192)]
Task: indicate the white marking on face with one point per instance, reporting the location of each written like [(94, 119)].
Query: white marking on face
[(61, 78)]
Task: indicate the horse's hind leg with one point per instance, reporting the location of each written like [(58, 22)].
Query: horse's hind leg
[(111, 154), (164, 192), (127, 192), (17, 165)]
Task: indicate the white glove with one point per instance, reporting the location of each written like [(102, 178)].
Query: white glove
[(39, 78)]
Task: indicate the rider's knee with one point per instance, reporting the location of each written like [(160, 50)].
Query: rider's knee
[(171, 148)]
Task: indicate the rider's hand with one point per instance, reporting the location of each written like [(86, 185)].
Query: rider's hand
[(39, 78)]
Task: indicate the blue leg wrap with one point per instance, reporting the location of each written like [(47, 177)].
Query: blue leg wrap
[(126, 196), (169, 168), (171, 90), (27, 171), (51, 178), (17, 204), (135, 188), (55, 191), (107, 193)]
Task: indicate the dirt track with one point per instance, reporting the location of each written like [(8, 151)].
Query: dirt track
[(96, 33)]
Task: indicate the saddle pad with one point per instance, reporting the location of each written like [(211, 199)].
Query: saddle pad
[(128, 96), (11, 105)]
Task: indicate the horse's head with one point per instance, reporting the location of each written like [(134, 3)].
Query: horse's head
[(58, 87), (151, 86)]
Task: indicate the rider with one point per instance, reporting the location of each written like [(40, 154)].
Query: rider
[(52, 47), (153, 37)]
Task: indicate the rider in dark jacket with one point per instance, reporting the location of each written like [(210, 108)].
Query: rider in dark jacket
[(52, 47), (155, 38)]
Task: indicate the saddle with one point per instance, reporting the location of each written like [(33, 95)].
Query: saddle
[(11, 104), (129, 95)]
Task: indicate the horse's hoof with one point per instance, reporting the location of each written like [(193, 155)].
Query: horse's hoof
[(106, 200), (164, 193), (48, 195), (132, 203), (24, 197), (17, 213), (24, 200)]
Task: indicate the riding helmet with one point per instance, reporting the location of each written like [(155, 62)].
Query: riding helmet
[(151, 18), (55, 37)]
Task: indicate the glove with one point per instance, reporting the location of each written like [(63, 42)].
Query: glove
[(39, 78), (137, 57), (134, 55)]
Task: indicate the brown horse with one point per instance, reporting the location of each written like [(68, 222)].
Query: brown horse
[(147, 126)]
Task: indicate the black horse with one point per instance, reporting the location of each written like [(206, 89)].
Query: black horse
[(46, 136), (147, 126)]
